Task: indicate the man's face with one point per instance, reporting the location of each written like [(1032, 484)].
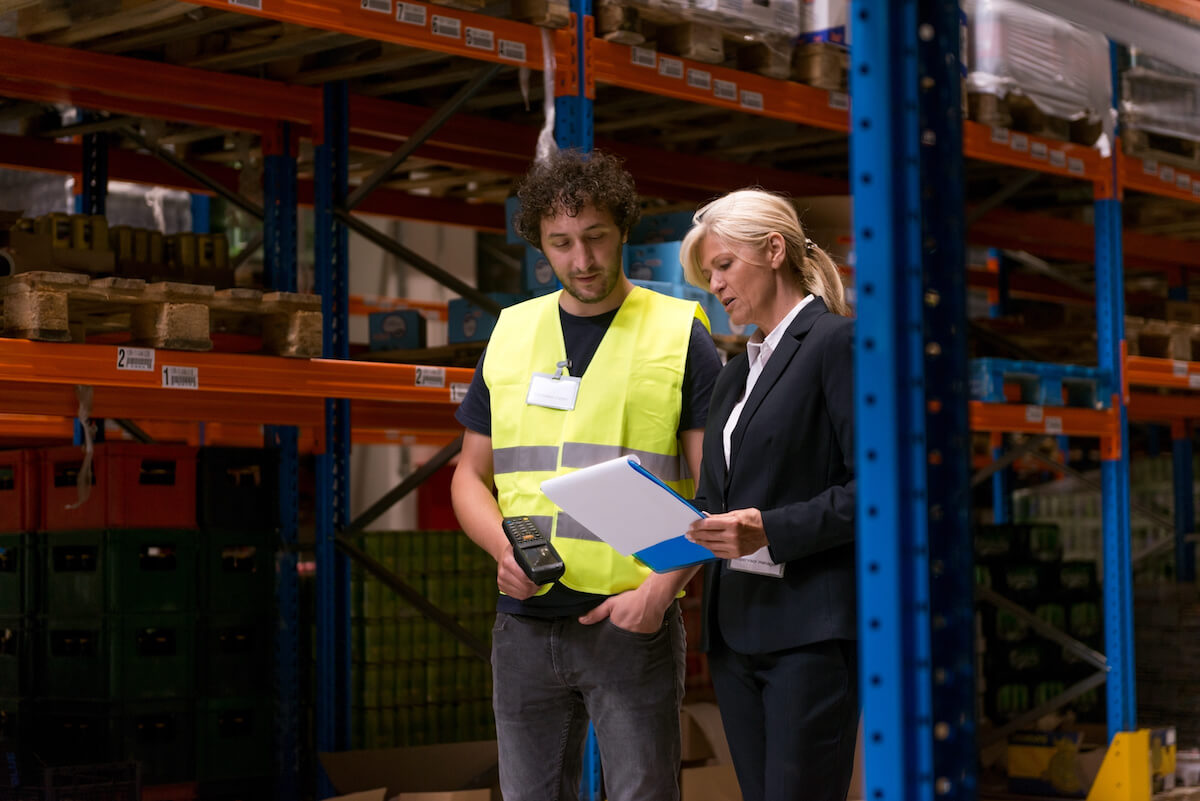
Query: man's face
[(585, 254)]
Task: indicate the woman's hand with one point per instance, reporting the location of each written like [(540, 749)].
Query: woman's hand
[(730, 535)]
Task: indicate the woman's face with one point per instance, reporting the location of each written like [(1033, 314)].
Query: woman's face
[(742, 279)]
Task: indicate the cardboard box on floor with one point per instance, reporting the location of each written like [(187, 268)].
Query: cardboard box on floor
[(703, 739), (452, 772)]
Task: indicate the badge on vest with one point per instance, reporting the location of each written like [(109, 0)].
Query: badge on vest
[(759, 563), (556, 391)]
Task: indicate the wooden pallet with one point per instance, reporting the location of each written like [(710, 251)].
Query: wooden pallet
[(66, 307), (1018, 113), (1172, 150), (543, 13), (1160, 339), (822, 65)]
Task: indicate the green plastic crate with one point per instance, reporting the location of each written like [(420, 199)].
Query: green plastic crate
[(153, 656), (74, 565), (236, 572), (16, 657), (234, 738), (72, 658), (161, 736), (16, 576), (150, 571)]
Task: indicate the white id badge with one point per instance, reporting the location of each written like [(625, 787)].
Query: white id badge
[(553, 393), (758, 562)]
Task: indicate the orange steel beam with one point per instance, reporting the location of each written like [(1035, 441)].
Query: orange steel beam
[(228, 375), (1051, 420), (1164, 180), (1146, 406), (183, 87), (428, 27), (1146, 371), (1184, 8), (1002, 146)]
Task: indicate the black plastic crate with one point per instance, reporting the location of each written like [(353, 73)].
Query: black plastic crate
[(160, 735), (233, 655), (237, 571), (93, 782), (16, 656), (72, 658), (17, 561), (238, 487), (234, 738), (76, 732), (257, 788), (1009, 542)]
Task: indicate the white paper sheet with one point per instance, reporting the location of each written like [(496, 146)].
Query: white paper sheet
[(621, 505)]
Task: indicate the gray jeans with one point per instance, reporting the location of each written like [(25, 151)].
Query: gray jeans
[(552, 674)]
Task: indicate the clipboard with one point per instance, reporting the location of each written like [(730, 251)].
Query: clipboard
[(631, 509)]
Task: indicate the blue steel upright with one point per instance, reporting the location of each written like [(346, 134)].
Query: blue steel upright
[(280, 269), (890, 452), (333, 466), (1114, 472), (947, 431)]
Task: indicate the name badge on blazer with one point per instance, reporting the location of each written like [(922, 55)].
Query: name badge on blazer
[(758, 563)]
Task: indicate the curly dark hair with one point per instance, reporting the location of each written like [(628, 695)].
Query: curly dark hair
[(570, 180)]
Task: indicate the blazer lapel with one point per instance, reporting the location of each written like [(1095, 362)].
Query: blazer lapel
[(788, 347), (740, 366)]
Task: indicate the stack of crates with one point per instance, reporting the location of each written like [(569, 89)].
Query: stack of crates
[(111, 625), (238, 506), (1020, 670), (413, 682), (135, 623)]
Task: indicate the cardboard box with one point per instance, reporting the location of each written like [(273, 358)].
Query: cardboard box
[(452, 772), (511, 206), (398, 329), (667, 227), (658, 262), (1052, 763), (709, 783), (536, 273), (469, 323)]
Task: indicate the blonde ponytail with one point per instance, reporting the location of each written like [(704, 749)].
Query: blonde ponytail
[(825, 280)]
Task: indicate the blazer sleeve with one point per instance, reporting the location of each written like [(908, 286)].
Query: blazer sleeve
[(827, 520)]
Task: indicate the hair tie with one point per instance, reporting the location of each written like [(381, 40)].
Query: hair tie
[(809, 245)]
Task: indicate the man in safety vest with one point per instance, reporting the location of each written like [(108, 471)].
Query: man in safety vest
[(606, 641)]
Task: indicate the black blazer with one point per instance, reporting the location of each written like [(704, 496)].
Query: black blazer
[(791, 457)]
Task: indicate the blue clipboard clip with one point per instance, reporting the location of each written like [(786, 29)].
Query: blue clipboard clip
[(677, 552)]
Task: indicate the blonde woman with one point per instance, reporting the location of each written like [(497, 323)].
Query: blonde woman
[(777, 482)]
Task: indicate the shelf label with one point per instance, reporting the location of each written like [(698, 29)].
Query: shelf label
[(839, 101), (1194, 381), (1183, 181), (1150, 167), (141, 359), (752, 100), (430, 377), (1054, 425), (1020, 143), (255, 4), (380, 6), (1179, 368), (1033, 414), (513, 51), (699, 79), (1058, 158), (1196, 188), (458, 392), (643, 57), (411, 14), (1075, 166), (450, 27), (670, 67), (1167, 174), (1000, 136), (1039, 151), (181, 377), (480, 39), (725, 90)]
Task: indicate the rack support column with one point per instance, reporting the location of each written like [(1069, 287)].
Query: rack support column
[(1185, 503), (280, 266), (333, 466)]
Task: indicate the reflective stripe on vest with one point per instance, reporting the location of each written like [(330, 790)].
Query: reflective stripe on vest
[(629, 402)]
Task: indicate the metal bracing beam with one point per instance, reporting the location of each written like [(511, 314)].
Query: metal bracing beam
[(1016, 453), (410, 594), (419, 137), (246, 252), (1050, 632), (1049, 270), (1026, 718), (93, 125), (170, 158), (418, 261), (410, 483), (1002, 196), (133, 430)]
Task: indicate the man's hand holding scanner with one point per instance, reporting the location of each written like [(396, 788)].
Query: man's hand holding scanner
[(511, 579), (731, 534)]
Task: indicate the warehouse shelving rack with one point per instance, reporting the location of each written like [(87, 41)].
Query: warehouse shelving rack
[(918, 742)]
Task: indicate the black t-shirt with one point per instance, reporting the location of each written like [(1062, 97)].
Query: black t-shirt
[(581, 336)]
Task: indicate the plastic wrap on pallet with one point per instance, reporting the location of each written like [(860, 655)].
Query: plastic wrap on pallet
[(825, 21), (1160, 98), (1062, 68), (764, 17)]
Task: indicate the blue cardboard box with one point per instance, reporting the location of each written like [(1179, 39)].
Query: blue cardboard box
[(469, 323), (511, 206), (659, 262), (669, 227), (399, 329), (676, 290), (537, 274)]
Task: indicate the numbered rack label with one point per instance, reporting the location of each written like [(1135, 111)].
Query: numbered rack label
[(480, 39), (643, 57), (458, 392), (513, 51), (699, 79), (725, 90), (140, 359), (430, 377), (180, 377), (670, 67), (378, 6), (254, 4), (411, 14), (450, 27)]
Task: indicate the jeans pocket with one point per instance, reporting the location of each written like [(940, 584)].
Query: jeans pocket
[(635, 635)]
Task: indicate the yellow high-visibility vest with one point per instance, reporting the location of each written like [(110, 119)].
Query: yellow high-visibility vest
[(628, 402)]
